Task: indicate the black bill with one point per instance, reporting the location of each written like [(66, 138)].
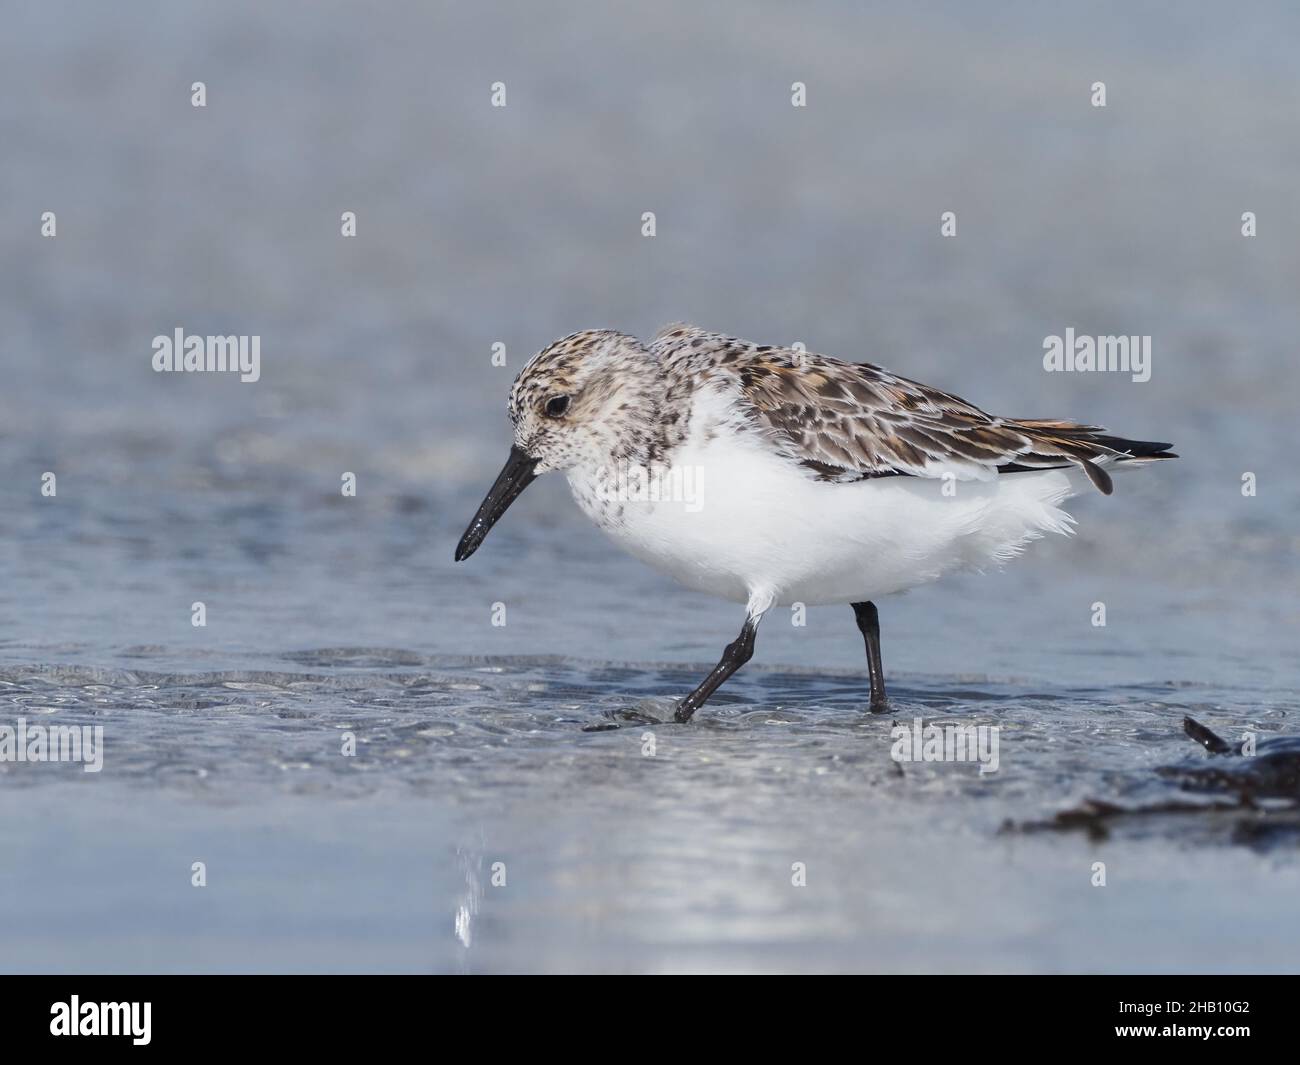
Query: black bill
[(515, 476)]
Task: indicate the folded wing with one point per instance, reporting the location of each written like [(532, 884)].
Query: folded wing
[(845, 422)]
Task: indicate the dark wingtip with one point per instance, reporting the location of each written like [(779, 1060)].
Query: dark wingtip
[(1136, 449)]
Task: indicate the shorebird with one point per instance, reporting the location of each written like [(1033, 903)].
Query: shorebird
[(818, 481)]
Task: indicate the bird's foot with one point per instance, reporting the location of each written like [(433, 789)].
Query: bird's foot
[(879, 706), (616, 719)]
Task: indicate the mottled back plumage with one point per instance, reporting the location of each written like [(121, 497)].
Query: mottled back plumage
[(847, 422)]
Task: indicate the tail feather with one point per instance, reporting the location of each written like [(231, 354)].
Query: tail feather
[(1136, 449), (1087, 446), (1095, 434)]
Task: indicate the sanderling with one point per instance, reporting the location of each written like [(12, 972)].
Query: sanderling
[(819, 481)]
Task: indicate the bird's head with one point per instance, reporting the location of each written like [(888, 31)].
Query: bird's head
[(590, 399)]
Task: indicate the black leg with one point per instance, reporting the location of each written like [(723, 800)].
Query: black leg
[(736, 655), (869, 626)]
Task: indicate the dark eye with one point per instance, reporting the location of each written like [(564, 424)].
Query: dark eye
[(556, 406)]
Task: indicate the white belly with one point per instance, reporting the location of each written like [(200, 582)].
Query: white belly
[(745, 524)]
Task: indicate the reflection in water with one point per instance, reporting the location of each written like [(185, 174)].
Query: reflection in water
[(470, 861)]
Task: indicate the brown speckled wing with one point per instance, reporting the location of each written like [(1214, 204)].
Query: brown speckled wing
[(852, 421)]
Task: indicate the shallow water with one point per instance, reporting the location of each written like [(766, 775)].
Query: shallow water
[(644, 848), (328, 616)]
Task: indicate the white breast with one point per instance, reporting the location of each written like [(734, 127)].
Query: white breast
[(732, 517)]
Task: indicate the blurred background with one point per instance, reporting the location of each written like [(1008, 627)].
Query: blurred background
[(479, 225)]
